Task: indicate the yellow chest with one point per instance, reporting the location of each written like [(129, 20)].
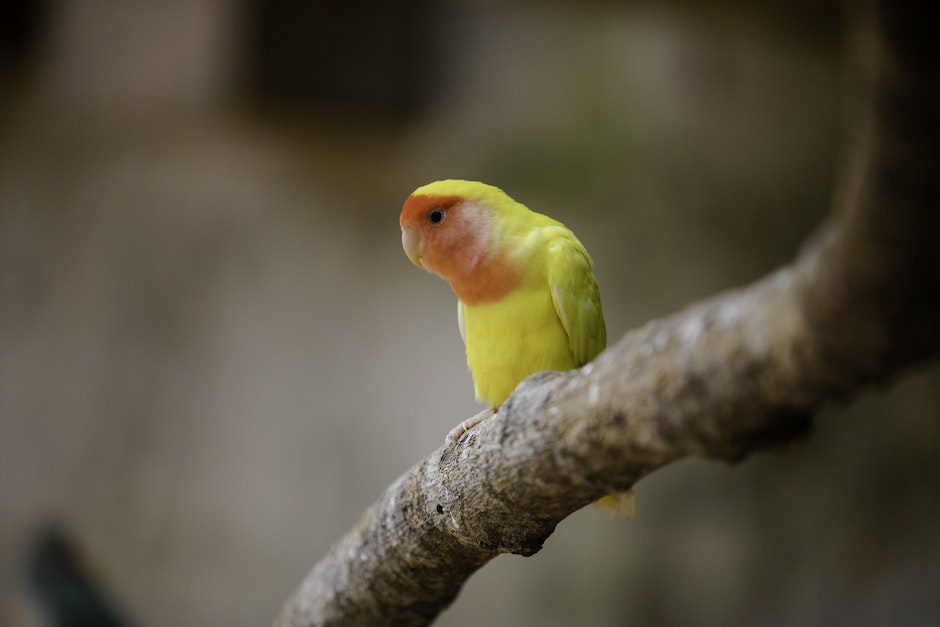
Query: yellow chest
[(511, 339)]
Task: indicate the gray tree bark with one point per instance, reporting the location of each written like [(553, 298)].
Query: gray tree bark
[(724, 378)]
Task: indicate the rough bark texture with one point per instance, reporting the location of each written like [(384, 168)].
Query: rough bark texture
[(726, 377)]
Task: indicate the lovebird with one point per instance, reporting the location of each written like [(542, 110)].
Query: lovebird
[(527, 298)]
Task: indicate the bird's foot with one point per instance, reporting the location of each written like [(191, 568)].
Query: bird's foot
[(468, 424)]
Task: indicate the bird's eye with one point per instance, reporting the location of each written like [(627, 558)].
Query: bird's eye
[(436, 216)]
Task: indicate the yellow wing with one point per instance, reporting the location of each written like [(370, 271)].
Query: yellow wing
[(578, 305), (576, 297)]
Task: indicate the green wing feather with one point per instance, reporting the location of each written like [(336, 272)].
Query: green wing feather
[(576, 297), (578, 305)]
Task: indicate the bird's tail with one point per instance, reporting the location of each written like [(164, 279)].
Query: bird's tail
[(618, 504)]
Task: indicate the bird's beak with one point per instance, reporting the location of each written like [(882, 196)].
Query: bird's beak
[(411, 242)]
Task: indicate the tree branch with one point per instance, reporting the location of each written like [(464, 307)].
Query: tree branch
[(721, 379)]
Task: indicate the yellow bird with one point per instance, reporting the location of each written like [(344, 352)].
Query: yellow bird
[(527, 296)]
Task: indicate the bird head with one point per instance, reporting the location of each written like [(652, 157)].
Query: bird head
[(452, 227)]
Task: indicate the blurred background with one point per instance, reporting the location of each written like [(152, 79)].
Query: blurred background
[(214, 354)]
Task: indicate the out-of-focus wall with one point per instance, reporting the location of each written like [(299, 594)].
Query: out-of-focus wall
[(214, 355)]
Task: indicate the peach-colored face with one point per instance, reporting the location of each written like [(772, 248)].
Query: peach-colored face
[(453, 237), (442, 234)]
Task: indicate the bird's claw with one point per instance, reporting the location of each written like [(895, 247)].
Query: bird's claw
[(454, 434)]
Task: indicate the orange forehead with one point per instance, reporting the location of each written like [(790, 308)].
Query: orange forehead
[(417, 207)]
